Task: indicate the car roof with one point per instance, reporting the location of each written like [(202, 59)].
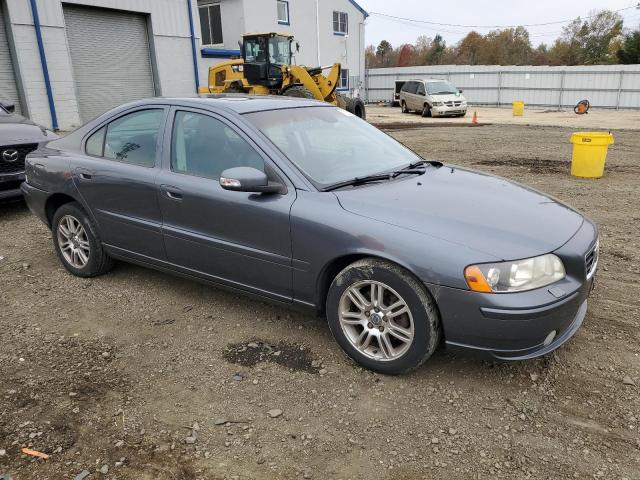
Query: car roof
[(429, 80), (239, 103)]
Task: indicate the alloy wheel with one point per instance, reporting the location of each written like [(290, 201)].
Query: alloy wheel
[(376, 320), (73, 241)]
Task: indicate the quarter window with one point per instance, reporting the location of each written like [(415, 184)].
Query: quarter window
[(131, 138), (204, 147), (340, 23), (210, 22), (283, 12)]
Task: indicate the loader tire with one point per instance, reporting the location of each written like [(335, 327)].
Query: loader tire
[(233, 89), (356, 106), (298, 91)]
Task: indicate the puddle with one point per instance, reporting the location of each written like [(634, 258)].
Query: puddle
[(289, 355)]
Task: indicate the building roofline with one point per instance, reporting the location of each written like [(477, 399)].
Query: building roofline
[(362, 10)]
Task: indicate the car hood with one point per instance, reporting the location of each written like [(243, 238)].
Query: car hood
[(15, 129), (448, 98), (486, 213)]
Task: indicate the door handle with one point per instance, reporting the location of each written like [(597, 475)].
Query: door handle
[(174, 193), (84, 173)]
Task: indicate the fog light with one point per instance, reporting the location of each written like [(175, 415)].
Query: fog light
[(550, 338)]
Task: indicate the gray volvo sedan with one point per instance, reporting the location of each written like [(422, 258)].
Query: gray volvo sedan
[(303, 203)]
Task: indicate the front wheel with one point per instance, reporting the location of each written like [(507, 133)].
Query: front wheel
[(426, 110), (382, 317), (298, 91)]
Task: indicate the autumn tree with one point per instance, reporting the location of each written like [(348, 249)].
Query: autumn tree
[(629, 51), (383, 52)]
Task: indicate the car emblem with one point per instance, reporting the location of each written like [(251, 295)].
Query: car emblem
[(10, 155)]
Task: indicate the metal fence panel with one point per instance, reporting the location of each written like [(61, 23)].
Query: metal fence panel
[(606, 86)]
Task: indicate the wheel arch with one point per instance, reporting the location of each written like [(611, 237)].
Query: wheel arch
[(331, 269), (54, 202)]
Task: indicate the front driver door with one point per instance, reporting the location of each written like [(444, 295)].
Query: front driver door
[(236, 238)]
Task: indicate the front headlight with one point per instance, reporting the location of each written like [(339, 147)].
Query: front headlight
[(516, 276)]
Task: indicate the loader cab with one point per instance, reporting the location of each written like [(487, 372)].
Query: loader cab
[(263, 55)]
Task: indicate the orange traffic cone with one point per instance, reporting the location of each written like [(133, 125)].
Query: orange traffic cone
[(474, 120)]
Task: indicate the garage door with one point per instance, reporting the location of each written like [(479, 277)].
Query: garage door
[(110, 57), (8, 86)]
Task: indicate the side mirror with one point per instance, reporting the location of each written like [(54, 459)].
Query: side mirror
[(459, 90), (297, 47), (9, 107), (247, 179)]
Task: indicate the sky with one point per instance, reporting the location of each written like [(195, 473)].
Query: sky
[(480, 12)]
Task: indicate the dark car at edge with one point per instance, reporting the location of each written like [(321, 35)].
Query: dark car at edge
[(302, 203), (19, 136)]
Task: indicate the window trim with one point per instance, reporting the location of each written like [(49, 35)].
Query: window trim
[(283, 22), (346, 24), (157, 161), (210, 4)]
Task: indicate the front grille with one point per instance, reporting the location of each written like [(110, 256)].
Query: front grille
[(15, 166), (591, 259), (451, 103)]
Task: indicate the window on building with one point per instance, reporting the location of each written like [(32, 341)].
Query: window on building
[(340, 23), (344, 79), (210, 22), (283, 12)]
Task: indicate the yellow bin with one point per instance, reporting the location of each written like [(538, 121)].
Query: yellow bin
[(518, 108), (589, 153)]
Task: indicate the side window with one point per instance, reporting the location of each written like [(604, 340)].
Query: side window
[(409, 87), (420, 90), (340, 23), (95, 143), (210, 22), (204, 146), (133, 138)]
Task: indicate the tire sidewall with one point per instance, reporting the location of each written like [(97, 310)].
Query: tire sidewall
[(423, 324), (403, 105), (95, 246), (426, 110)]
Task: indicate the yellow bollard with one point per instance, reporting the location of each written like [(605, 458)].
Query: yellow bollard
[(518, 108), (589, 153)]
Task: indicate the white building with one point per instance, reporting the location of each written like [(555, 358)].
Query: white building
[(62, 62)]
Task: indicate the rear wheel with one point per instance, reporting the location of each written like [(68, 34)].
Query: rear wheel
[(77, 242), (382, 317), (298, 91), (404, 107)]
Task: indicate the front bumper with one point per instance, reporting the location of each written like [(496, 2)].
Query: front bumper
[(448, 111), (10, 184), (524, 325)]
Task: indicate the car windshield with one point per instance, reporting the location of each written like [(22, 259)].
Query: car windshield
[(330, 145), (279, 49), (442, 88)]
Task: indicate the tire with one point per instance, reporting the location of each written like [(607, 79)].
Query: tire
[(233, 89), (97, 261), (463, 114), (426, 110), (298, 91), (362, 325), (404, 108), (356, 107)]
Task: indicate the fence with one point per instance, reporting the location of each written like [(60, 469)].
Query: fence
[(605, 86)]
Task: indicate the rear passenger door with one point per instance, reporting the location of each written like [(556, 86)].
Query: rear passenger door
[(115, 175)]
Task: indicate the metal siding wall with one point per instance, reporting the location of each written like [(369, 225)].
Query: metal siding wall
[(110, 57), (536, 85), (8, 82)]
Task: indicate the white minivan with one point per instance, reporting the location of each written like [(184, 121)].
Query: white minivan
[(432, 97)]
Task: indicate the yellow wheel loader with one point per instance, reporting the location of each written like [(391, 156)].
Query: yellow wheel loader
[(266, 69)]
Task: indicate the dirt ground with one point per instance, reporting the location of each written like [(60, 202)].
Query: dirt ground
[(598, 119), (141, 375)]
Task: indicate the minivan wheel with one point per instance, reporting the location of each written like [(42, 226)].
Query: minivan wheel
[(77, 244), (426, 110), (404, 107), (382, 317)]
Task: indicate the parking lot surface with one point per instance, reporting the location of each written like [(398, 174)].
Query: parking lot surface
[(141, 375)]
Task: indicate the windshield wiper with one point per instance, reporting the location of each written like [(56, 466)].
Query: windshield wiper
[(374, 178), (419, 163)]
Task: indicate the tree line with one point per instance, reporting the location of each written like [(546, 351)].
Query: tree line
[(599, 39)]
